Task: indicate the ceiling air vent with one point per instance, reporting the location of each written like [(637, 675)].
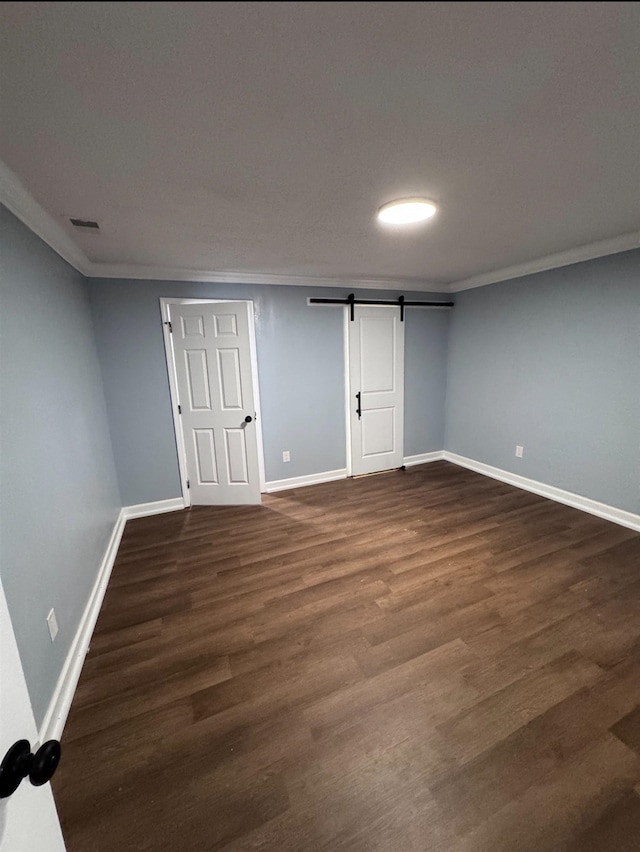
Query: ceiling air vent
[(85, 224)]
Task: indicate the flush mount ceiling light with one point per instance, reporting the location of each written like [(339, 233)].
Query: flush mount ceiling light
[(405, 211)]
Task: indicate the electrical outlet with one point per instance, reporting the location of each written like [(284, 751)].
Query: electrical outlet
[(286, 456), (519, 451), (52, 623)]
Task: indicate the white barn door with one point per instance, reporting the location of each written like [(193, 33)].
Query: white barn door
[(211, 348), (376, 389)]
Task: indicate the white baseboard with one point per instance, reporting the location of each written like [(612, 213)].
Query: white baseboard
[(56, 716), (60, 704), (301, 481), (332, 475), (585, 504), (423, 458), (158, 507)]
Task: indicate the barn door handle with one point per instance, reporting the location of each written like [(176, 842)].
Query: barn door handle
[(359, 408), (18, 762)]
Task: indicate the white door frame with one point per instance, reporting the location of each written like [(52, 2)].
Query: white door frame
[(165, 305)]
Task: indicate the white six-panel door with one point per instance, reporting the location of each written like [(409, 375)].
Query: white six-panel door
[(215, 391), (376, 389)]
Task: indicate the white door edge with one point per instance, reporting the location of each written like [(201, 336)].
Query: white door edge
[(256, 392), (173, 393), (28, 819), (165, 307), (347, 388)]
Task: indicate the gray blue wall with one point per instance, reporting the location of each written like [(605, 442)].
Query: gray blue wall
[(301, 375), (425, 371), (59, 497), (552, 362)]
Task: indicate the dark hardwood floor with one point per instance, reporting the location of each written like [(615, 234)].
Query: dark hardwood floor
[(428, 660)]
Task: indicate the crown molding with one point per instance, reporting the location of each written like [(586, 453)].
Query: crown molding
[(16, 198), (625, 242), (222, 276)]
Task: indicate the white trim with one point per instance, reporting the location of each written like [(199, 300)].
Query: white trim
[(302, 481), (15, 196), (625, 242), (226, 276), (19, 200), (585, 504), (333, 475), (173, 395), (423, 458), (22, 204), (602, 248), (60, 704), (157, 507)]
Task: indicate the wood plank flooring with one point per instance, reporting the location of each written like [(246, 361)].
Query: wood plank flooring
[(428, 660)]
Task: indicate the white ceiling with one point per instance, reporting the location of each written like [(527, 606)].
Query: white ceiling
[(260, 138)]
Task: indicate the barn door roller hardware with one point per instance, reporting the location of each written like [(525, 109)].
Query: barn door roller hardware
[(352, 302)]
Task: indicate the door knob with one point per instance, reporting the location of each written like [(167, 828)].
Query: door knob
[(248, 418), (18, 762), (44, 763)]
